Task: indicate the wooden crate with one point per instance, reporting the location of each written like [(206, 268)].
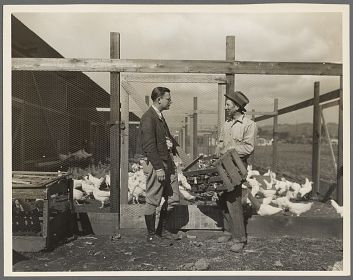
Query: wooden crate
[(38, 225), (231, 169)]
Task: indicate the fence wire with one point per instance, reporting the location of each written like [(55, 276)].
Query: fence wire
[(56, 124)]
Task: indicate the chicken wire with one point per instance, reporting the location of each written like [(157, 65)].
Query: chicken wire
[(179, 119), (294, 146), (55, 124), (55, 119)]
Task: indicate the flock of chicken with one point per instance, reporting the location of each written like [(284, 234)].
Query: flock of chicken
[(265, 193), (137, 185), (90, 186), (279, 193)]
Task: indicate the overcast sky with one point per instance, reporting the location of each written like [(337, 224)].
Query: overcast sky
[(294, 37)]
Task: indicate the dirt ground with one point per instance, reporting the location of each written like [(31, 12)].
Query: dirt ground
[(196, 250)]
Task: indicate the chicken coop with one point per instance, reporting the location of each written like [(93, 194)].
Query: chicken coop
[(89, 132)]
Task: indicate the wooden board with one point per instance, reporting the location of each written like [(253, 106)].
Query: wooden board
[(177, 66), (301, 105), (191, 217), (97, 223), (185, 217)]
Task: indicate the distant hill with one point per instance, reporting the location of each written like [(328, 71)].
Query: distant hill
[(300, 130)]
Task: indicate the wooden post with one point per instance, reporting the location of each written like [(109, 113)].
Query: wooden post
[(230, 56), (339, 193), (328, 140), (275, 137), (124, 162), (208, 144), (192, 135), (147, 100), (184, 138), (316, 140), (181, 138), (23, 137), (115, 129), (195, 152), (252, 157), (221, 112), (186, 134)]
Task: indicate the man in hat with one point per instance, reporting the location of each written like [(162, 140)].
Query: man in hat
[(159, 146), (238, 132)]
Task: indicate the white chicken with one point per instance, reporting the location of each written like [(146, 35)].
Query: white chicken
[(282, 202), (252, 172), (77, 183), (253, 182), (184, 186), (107, 180), (183, 181), (137, 186), (281, 187), (268, 184), (78, 195), (295, 187), (339, 209), (268, 210), (87, 186), (135, 167), (273, 175), (267, 193), (306, 188), (186, 194), (96, 181), (102, 196), (255, 189), (266, 200), (299, 208), (268, 173)]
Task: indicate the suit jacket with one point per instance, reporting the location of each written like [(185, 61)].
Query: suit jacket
[(153, 136)]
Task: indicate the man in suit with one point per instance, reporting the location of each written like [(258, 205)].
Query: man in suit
[(159, 146), (238, 133)]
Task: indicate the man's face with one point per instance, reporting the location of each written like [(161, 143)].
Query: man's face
[(231, 108), (165, 101)]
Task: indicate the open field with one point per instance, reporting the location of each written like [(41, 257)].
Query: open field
[(296, 160)]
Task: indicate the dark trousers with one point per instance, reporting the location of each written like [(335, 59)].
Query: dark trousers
[(233, 218)]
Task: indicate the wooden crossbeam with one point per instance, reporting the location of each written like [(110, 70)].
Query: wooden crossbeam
[(304, 104), (330, 104), (177, 66), (174, 78), (253, 113)]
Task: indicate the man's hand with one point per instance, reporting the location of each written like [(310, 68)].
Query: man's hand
[(160, 175)]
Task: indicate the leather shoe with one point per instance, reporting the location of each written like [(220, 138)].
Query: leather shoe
[(224, 238), (237, 247)]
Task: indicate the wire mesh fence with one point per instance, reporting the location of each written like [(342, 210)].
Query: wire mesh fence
[(57, 123)]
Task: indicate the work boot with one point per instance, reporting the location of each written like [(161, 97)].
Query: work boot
[(150, 221), (237, 247), (162, 230), (224, 238)]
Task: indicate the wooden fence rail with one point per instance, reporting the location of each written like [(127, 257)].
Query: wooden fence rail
[(177, 66), (304, 104)]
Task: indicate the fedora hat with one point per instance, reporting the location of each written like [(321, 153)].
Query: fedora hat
[(238, 97)]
